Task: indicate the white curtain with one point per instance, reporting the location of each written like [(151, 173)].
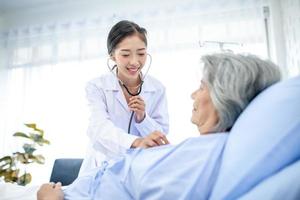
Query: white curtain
[(48, 66)]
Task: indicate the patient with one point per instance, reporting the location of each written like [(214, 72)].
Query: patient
[(187, 170)]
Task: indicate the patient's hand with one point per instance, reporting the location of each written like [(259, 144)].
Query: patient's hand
[(155, 138), (50, 191)]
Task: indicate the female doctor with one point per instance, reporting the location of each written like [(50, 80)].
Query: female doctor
[(126, 105)]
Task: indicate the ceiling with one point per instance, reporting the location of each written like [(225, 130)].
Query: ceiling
[(15, 13), (14, 5), (8, 6)]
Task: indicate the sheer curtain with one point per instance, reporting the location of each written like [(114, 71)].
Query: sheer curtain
[(48, 66)]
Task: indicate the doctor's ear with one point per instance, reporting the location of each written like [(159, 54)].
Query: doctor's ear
[(112, 57)]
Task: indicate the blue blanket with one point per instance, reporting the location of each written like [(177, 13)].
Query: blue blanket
[(184, 171)]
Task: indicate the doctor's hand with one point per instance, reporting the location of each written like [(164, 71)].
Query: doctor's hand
[(137, 104), (154, 139)]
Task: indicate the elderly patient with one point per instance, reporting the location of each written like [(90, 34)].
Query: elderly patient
[(187, 170)]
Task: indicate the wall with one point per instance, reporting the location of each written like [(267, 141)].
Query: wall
[(2, 56), (277, 38), (291, 29), (285, 35)]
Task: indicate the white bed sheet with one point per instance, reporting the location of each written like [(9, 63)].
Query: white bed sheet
[(10, 191)]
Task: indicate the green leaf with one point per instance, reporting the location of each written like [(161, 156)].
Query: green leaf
[(46, 141), (40, 131), (9, 165), (33, 126), (14, 174), (5, 166), (24, 179), (20, 134), (29, 148), (38, 159), (10, 175), (43, 141), (38, 139), (20, 157), (6, 159), (6, 162), (35, 137)]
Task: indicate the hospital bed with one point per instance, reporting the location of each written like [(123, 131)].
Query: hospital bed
[(261, 158)]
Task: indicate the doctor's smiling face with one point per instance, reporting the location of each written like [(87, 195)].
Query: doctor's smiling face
[(130, 56), (127, 47), (204, 115)]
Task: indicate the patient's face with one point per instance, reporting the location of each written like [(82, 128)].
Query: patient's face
[(204, 115)]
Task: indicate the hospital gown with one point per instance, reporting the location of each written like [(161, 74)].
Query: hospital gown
[(184, 171)]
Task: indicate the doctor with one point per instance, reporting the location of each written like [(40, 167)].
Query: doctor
[(125, 104)]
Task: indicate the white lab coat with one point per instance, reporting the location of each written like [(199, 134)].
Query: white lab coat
[(110, 116)]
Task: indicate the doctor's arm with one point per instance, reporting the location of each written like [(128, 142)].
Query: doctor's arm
[(155, 138), (158, 117), (105, 136)]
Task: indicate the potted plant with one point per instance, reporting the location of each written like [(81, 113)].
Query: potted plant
[(11, 165)]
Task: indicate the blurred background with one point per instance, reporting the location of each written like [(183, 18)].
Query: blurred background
[(49, 49)]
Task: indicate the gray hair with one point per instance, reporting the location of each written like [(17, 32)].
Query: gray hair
[(233, 81)]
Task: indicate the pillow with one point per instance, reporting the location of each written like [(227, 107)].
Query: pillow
[(275, 187), (264, 140)]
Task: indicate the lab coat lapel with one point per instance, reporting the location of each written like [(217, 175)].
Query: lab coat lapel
[(117, 91), (121, 99), (147, 91)]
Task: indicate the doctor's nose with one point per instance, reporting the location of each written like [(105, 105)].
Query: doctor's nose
[(134, 61)]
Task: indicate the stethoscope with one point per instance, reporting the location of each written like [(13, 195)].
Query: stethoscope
[(142, 77)]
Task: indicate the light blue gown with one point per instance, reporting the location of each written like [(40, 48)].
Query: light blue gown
[(184, 171)]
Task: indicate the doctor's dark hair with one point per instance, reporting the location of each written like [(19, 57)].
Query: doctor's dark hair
[(122, 30), (233, 81)]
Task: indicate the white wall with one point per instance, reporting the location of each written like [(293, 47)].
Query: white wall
[(277, 39), (285, 35), (2, 56), (1, 23), (291, 28)]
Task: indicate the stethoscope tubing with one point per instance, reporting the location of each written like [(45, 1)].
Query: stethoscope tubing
[(126, 88)]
